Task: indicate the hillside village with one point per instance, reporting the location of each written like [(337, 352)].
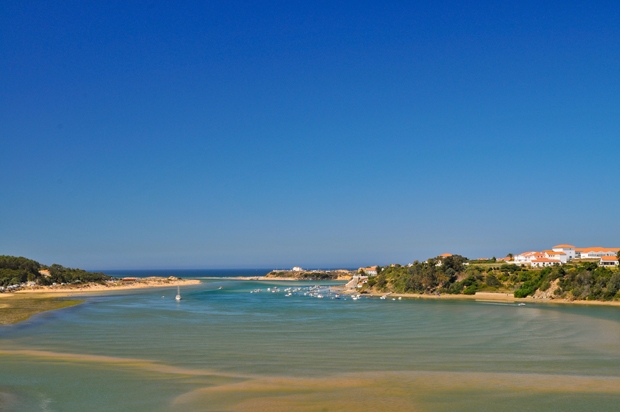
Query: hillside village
[(564, 253), (556, 256), (562, 272)]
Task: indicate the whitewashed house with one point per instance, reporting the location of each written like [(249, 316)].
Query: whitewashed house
[(527, 257), (561, 256), (544, 262), (608, 261), (596, 252), (370, 270), (569, 250)]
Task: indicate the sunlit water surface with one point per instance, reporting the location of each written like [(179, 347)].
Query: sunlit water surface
[(232, 350)]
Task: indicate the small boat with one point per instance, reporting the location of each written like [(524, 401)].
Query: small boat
[(178, 296), (521, 304)]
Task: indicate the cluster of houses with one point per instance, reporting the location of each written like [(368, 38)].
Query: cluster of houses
[(561, 254), (558, 255)]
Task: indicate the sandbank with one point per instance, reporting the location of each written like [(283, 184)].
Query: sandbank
[(28, 301), (68, 290), (16, 308)]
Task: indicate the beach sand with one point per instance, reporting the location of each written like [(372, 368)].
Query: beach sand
[(140, 283), (22, 304)]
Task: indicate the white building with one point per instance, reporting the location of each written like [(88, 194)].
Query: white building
[(297, 269), (370, 270), (561, 256), (608, 261), (595, 252), (544, 262), (526, 257), (569, 250)]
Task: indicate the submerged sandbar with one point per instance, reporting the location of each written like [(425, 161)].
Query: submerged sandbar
[(15, 308)]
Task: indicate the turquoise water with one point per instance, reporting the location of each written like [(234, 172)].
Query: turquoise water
[(229, 349)]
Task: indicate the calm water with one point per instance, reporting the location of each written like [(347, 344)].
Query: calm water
[(229, 349)]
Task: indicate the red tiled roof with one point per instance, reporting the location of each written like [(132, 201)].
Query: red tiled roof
[(531, 254), (597, 249)]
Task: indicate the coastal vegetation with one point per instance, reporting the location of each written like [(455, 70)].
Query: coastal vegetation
[(451, 275), (18, 270)]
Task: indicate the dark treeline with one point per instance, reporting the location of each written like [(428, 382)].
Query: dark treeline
[(584, 281), (16, 270)]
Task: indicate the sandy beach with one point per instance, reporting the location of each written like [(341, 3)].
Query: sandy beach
[(22, 304), (68, 290)]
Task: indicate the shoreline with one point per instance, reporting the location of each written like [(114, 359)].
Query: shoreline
[(288, 279), (21, 305), (60, 291), (495, 297)]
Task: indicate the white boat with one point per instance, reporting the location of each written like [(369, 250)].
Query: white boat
[(178, 296)]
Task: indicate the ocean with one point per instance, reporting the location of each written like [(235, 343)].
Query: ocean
[(228, 347)]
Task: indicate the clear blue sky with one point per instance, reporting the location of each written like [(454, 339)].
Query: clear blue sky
[(270, 134)]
